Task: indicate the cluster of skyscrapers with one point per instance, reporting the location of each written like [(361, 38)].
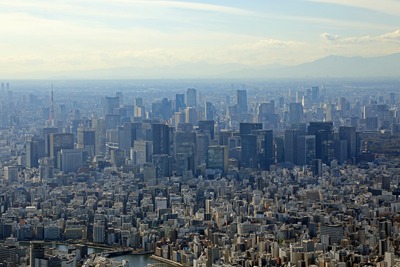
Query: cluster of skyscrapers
[(243, 177)]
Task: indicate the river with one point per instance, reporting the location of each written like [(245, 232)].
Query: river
[(134, 260)]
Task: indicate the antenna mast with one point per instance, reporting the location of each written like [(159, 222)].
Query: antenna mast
[(51, 108)]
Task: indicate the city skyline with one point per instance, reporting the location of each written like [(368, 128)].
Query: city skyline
[(59, 38)]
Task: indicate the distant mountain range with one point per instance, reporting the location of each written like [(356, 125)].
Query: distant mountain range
[(330, 66), (327, 67)]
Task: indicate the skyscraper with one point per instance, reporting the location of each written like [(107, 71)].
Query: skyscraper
[(60, 141), (249, 153), (217, 158), (35, 149), (324, 142), (290, 145), (207, 125), (191, 115), (162, 138), (142, 151), (191, 97), (209, 111), (72, 159), (203, 140), (296, 113), (185, 149), (36, 251), (248, 127), (179, 102), (87, 140), (241, 101), (349, 134), (32, 159), (266, 148), (315, 94), (305, 149), (110, 104), (163, 165)]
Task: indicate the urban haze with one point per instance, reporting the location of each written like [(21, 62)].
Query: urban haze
[(208, 134)]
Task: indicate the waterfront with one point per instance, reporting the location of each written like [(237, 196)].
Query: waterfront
[(136, 260), (133, 260)]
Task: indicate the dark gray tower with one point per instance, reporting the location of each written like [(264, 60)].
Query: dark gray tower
[(191, 97)]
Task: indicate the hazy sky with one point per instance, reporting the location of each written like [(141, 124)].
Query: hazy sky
[(41, 35)]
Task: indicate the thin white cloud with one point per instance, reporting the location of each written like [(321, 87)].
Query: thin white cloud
[(266, 44), (330, 37), (393, 36), (391, 7), (367, 39), (190, 6), (366, 46)]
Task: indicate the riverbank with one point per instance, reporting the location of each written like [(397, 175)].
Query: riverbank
[(91, 245), (167, 261)]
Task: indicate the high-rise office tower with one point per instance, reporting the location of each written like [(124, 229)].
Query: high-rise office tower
[(112, 121), (179, 102), (241, 101), (191, 115), (207, 125), (305, 149), (72, 159), (392, 98), (266, 115), (125, 136), (99, 229), (142, 151), (248, 127), (120, 96), (217, 158), (299, 96), (265, 139), (117, 157), (87, 140), (316, 126), (32, 159), (163, 165), (138, 102), (62, 113), (340, 147), (349, 134), (11, 174), (36, 252), (296, 113), (209, 111), (162, 138), (191, 97), (46, 135), (315, 94), (249, 152), (279, 148), (99, 125), (60, 141), (342, 104), (325, 146), (111, 103), (203, 140), (185, 149), (35, 149), (317, 167), (46, 168), (291, 145), (324, 140)]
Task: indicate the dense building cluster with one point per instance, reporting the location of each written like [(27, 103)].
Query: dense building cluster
[(243, 177)]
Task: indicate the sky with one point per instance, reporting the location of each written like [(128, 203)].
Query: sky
[(75, 35)]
